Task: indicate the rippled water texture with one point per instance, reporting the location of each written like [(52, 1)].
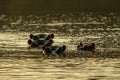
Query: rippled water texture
[(19, 63)]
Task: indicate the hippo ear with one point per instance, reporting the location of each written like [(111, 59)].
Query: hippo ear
[(31, 36), (81, 43)]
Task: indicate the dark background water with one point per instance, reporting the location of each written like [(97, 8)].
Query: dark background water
[(22, 7)]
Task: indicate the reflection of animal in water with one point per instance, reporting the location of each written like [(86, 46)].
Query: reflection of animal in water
[(86, 47), (39, 43), (41, 37), (56, 51)]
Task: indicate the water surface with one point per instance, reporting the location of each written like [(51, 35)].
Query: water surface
[(19, 63)]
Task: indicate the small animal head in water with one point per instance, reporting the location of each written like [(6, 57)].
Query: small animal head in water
[(29, 42), (31, 36)]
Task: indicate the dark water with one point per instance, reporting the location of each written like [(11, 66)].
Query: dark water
[(18, 63)]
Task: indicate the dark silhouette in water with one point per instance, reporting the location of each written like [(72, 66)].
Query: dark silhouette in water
[(86, 47), (54, 51), (41, 36), (21, 7), (39, 43), (39, 40)]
